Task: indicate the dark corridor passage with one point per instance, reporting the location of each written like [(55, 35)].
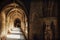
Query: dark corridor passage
[(17, 23), (16, 32), (14, 28)]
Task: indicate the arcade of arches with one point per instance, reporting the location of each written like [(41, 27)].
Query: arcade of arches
[(13, 16), (35, 21)]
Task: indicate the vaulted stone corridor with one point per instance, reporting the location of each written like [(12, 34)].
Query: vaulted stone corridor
[(14, 21), (29, 20)]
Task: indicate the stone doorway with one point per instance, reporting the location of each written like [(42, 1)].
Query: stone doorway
[(17, 23)]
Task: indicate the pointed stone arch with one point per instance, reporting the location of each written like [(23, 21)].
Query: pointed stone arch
[(9, 14)]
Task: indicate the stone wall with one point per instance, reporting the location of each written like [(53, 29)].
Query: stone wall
[(35, 20), (0, 23), (40, 10)]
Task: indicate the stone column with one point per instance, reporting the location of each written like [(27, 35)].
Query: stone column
[(3, 32)]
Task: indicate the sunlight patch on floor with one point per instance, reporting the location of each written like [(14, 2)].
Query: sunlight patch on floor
[(13, 36)]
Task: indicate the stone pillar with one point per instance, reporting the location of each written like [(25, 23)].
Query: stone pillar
[(3, 31)]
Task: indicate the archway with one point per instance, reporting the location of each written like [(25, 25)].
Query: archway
[(17, 23), (10, 13)]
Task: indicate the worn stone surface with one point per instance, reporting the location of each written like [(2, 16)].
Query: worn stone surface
[(37, 18)]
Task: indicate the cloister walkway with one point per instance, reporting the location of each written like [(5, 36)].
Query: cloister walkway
[(16, 34)]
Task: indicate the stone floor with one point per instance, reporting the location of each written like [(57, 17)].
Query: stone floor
[(15, 34)]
